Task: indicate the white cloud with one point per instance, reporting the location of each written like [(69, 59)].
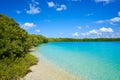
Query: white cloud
[(18, 12), (58, 7), (29, 25), (119, 13), (75, 34), (51, 4), (98, 32), (115, 19), (93, 31), (37, 30), (111, 21), (103, 1), (33, 8), (103, 29), (61, 7)]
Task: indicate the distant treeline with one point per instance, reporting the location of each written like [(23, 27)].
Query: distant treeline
[(81, 39)]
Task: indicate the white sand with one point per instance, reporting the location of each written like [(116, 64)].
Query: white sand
[(45, 71), (42, 71)]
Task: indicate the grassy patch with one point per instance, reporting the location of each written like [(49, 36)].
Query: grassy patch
[(13, 69)]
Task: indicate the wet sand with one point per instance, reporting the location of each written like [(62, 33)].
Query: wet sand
[(47, 71), (43, 71)]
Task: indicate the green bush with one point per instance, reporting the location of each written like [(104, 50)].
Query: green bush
[(15, 68), (13, 39), (37, 39), (81, 39), (15, 43)]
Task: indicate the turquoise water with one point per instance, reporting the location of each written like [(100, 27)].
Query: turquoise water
[(90, 60)]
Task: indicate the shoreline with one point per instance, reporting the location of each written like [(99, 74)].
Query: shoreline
[(44, 70)]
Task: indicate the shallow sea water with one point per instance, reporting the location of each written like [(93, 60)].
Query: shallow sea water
[(90, 60)]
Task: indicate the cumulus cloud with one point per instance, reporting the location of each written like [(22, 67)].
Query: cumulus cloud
[(58, 7), (103, 1), (37, 30), (51, 4), (61, 7), (92, 32), (115, 19), (75, 34), (111, 21), (98, 31), (33, 8), (28, 25), (103, 29)]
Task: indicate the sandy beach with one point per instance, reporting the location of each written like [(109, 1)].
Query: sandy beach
[(46, 71), (42, 71)]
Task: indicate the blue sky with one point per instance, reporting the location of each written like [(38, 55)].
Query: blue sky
[(66, 18)]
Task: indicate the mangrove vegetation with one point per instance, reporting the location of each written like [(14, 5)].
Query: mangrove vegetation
[(81, 39), (15, 43)]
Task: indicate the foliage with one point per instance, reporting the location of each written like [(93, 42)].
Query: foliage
[(15, 43), (81, 39), (13, 39), (37, 39), (14, 69)]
